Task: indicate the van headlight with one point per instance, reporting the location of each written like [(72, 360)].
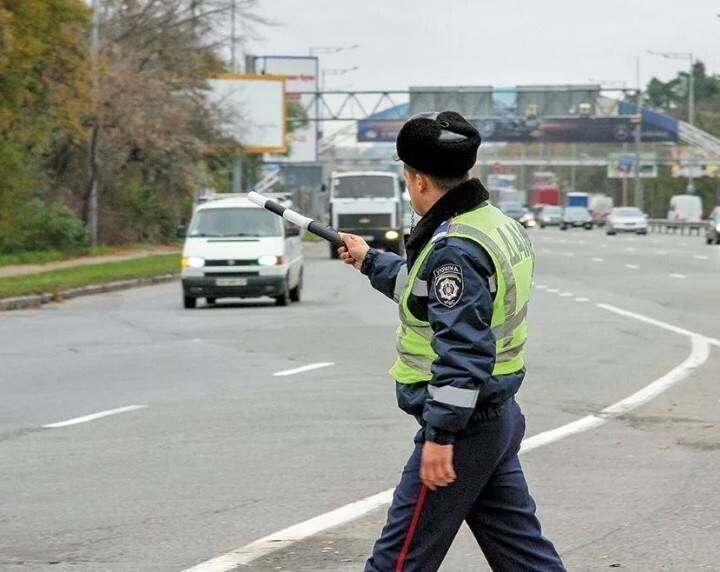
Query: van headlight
[(270, 260), (392, 235), (717, 227), (193, 262)]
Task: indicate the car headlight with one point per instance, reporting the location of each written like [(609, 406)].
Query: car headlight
[(193, 262), (717, 227), (270, 260), (392, 235), (531, 222)]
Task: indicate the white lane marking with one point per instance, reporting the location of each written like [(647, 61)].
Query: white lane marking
[(540, 286), (302, 369), (680, 276), (553, 290), (247, 554), (701, 257), (278, 540), (568, 254), (566, 294), (596, 259), (630, 249), (581, 299), (658, 323), (632, 266), (86, 418), (698, 356)]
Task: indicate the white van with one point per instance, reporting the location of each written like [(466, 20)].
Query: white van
[(235, 249), (685, 208)]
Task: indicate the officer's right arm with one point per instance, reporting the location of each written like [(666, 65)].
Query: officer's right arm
[(387, 272)]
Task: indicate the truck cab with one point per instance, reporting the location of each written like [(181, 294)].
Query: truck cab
[(369, 204)]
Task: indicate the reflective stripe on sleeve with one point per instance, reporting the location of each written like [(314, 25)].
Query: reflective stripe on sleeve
[(456, 396), (400, 282)]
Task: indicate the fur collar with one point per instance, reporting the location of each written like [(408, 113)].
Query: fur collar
[(461, 199)]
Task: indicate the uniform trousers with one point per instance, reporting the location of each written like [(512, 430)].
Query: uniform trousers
[(490, 494)]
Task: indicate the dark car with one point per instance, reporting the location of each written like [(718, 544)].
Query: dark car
[(712, 230), (576, 217)]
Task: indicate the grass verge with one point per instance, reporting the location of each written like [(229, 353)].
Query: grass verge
[(45, 256), (55, 281)]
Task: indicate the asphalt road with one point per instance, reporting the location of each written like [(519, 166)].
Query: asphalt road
[(221, 452)]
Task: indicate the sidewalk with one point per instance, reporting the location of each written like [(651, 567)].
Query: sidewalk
[(25, 269)]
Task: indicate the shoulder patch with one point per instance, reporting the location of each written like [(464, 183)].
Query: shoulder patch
[(448, 284)]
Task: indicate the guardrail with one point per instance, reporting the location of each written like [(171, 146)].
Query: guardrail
[(666, 226)]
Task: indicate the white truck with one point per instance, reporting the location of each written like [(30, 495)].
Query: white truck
[(369, 204)]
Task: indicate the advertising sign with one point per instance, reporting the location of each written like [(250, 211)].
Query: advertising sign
[(253, 107), (301, 83), (622, 165)]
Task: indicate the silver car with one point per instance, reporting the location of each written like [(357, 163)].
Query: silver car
[(626, 219), (712, 230)]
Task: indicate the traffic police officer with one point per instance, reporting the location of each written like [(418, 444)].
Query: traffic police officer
[(463, 297)]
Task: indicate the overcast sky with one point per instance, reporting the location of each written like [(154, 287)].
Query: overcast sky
[(493, 42)]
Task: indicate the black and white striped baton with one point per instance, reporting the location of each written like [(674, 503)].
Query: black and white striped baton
[(326, 232)]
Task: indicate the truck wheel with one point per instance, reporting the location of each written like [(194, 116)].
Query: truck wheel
[(296, 292), (284, 298), (210, 300), (189, 302), (563, 227)]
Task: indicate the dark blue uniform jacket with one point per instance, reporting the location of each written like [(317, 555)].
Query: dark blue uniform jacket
[(462, 338)]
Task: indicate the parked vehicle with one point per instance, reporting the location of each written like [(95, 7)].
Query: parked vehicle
[(685, 208), (600, 207), (528, 219), (235, 249), (626, 219), (712, 230), (576, 217), (549, 215), (368, 204)]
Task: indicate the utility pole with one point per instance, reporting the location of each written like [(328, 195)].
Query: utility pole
[(94, 163), (237, 156), (639, 198)]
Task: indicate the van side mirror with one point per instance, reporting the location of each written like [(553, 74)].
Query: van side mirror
[(402, 185), (323, 188), (181, 231)]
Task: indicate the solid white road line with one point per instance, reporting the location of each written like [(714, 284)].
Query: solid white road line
[(303, 368), (632, 266), (288, 536), (698, 356), (86, 418), (679, 276)]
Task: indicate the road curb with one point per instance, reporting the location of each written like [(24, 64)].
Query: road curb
[(24, 302)]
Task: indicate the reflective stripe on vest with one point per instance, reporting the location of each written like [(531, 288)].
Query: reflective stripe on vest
[(513, 258)]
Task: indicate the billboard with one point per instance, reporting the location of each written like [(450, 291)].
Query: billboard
[(301, 84), (622, 165), (253, 110)]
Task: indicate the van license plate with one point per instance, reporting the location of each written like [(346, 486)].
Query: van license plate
[(231, 282)]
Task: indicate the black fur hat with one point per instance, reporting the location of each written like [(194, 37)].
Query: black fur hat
[(442, 144)]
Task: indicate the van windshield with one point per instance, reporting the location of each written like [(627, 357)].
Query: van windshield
[(364, 187), (229, 222)]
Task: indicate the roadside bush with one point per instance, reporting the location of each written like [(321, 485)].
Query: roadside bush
[(36, 225)]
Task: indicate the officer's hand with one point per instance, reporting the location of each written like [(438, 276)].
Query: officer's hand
[(354, 251), (436, 467)]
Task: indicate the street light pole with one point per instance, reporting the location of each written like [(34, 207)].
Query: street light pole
[(94, 163), (639, 198)]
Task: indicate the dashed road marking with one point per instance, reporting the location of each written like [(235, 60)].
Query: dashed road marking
[(302, 369), (568, 254), (581, 299), (540, 286), (93, 416), (566, 294), (679, 276), (596, 259), (632, 266), (701, 257), (553, 290)]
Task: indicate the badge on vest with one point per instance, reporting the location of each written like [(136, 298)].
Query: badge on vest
[(448, 280)]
